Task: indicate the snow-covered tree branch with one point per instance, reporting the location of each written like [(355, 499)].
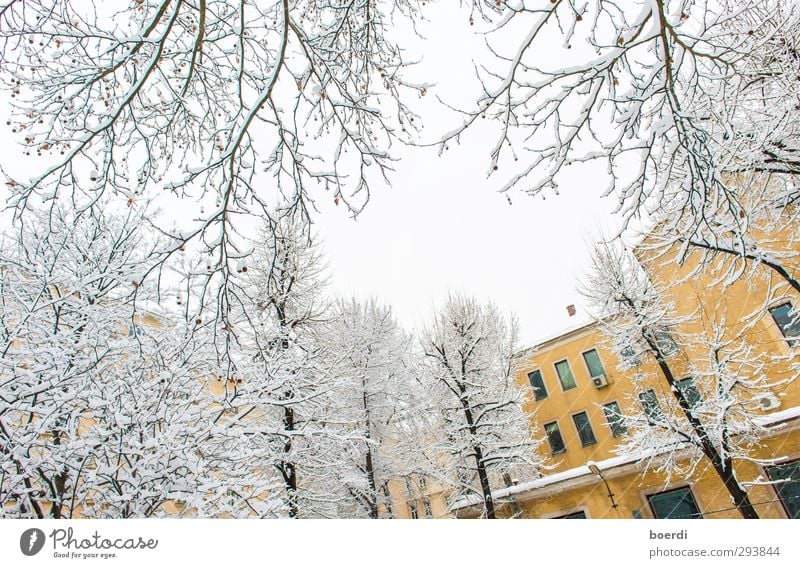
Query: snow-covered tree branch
[(99, 414), (692, 106), (227, 110), (470, 366), (378, 396)]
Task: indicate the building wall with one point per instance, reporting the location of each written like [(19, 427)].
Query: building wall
[(561, 405), (631, 487), (428, 499), (741, 310)]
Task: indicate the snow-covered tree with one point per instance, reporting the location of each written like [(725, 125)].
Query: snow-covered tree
[(699, 377), (96, 407), (278, 430), (229, 109), (147, 420), (692, 107), (378, 394), (469, 365)]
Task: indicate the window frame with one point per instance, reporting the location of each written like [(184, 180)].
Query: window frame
[(588, 424), (599, 360), (550, 441), (536, 396), (776, 486), (793, 340), (698, 397), (630, 359), (426, 508), (560, 380), (666, 343), (620, 421), (650, 417), (576, 514), (687, 488)]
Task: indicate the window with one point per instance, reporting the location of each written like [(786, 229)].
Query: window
[(614, 419), (787, 321), (788, 488), (665, 342), (575, 515), (135, 329), (629, 355), (689, 390), (593, 363), (411, 499), (565, 375), (537, 383), (674, 504), (554, 437), (427, 507), (650, 405), (584, 428), (231, 497)]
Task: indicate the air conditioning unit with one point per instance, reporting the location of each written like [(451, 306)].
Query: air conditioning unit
[(600, 381), (768, 401)]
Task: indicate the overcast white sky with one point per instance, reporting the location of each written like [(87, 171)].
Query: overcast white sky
[(443, 227)]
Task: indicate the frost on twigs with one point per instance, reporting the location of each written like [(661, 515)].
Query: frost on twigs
[(768, 247), (379, 401), (101, 411), (679, 100), (244, 106)]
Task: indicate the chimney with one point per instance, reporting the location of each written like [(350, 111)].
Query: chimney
[(571, 310)]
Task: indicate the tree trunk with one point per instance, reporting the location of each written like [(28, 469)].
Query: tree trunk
[(488, 501), (387, 500), (59, 482), (287, 468), (483, 476), (723, 467), (740, 497), (372, 498)]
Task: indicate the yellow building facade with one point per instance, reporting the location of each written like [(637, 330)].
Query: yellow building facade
[(578, 387)]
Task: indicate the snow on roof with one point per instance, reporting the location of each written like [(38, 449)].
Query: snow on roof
[(778, 417), (533, 346), (553, 479), (604, 465)]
